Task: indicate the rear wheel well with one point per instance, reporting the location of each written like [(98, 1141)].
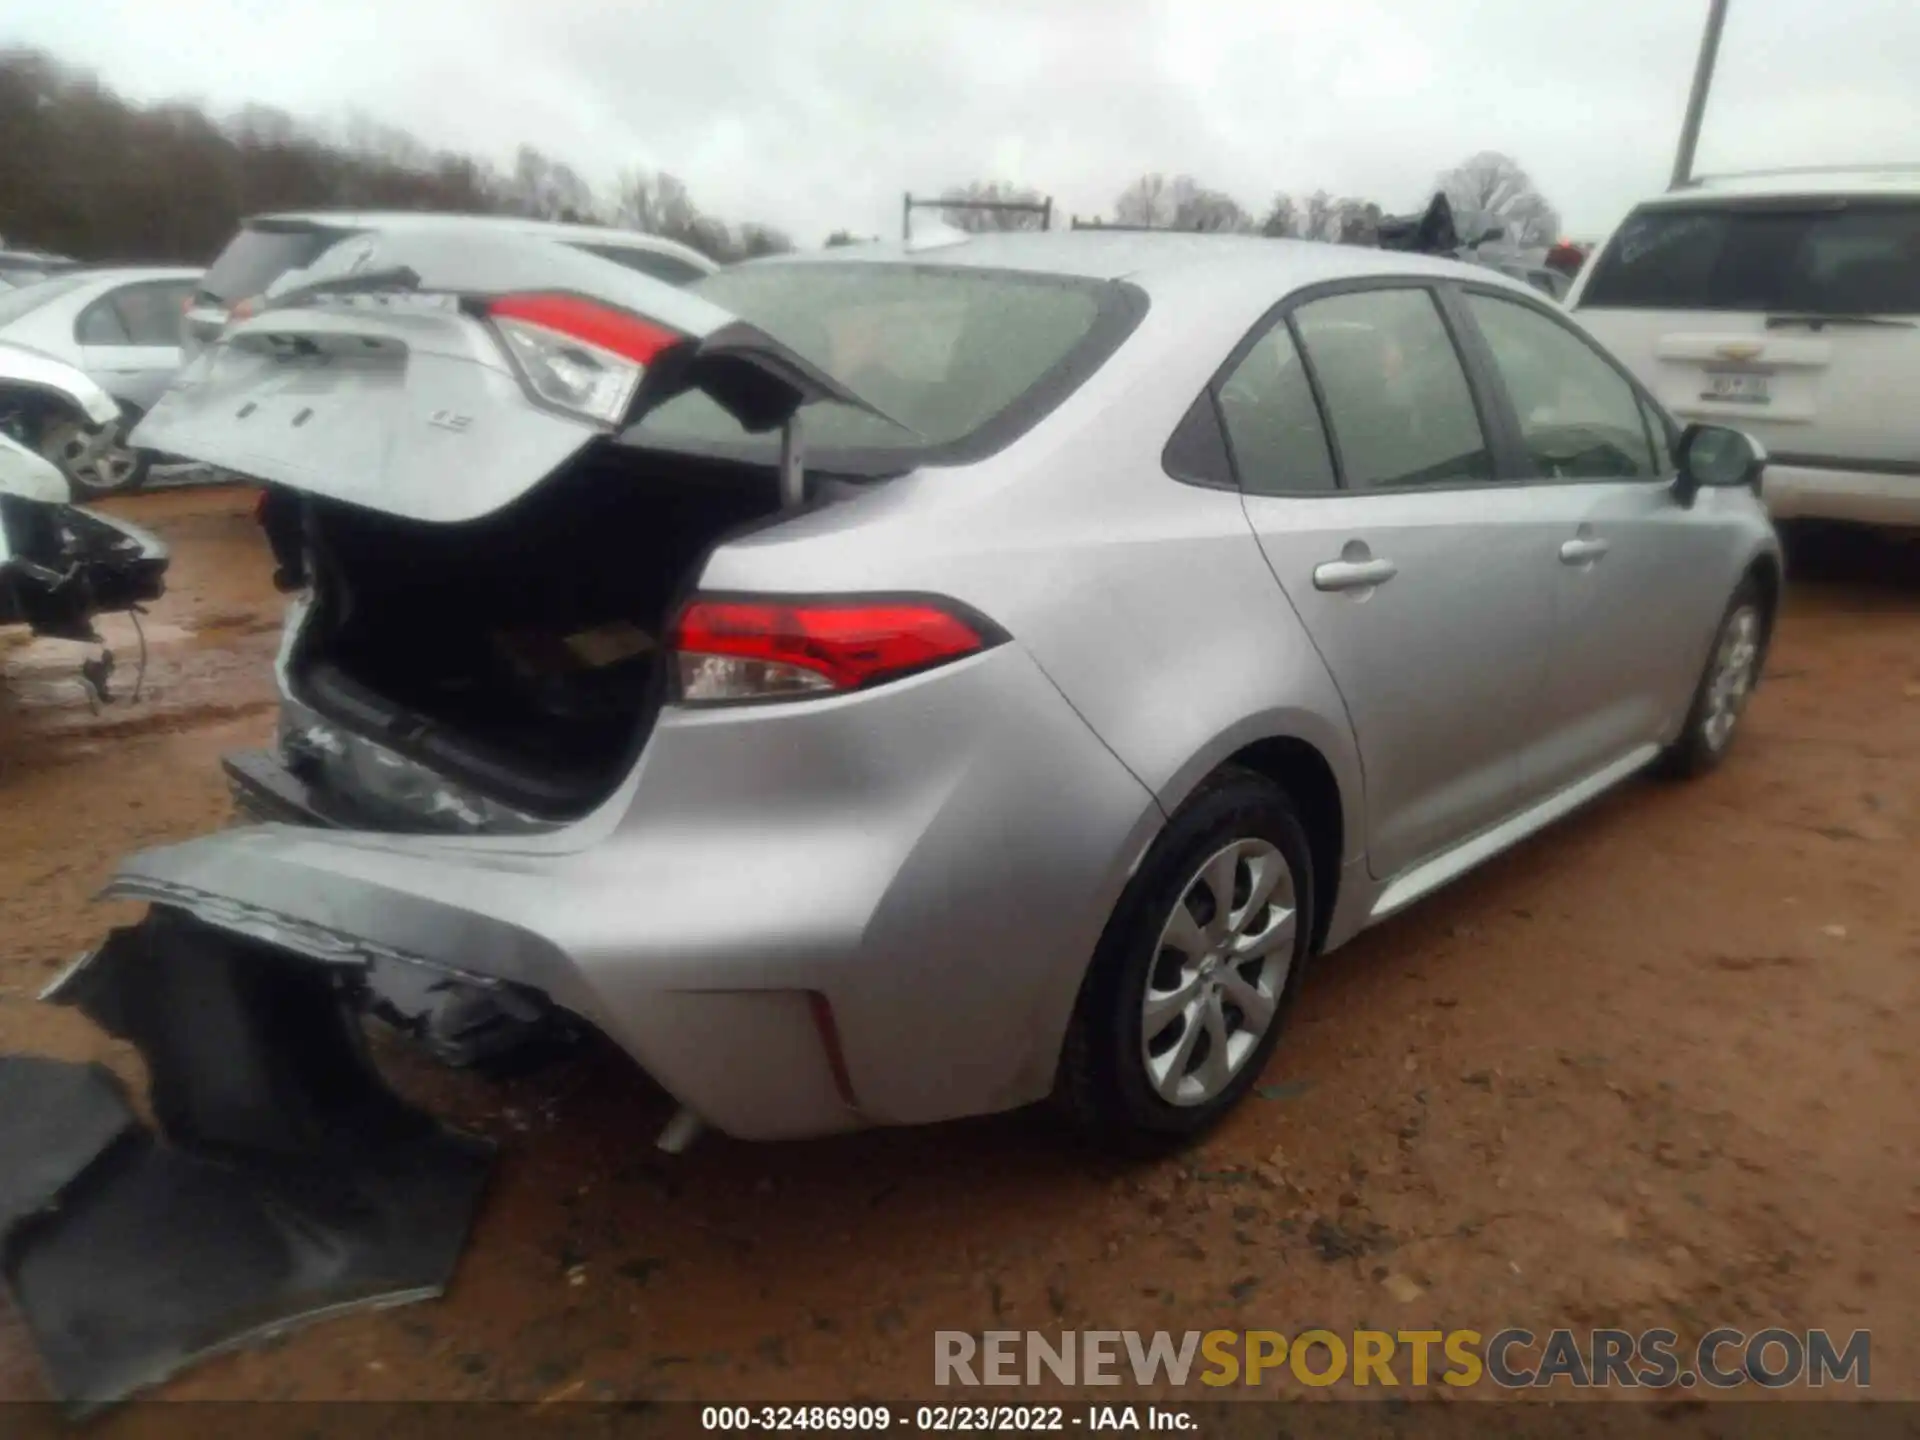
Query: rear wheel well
[(1303, 772)]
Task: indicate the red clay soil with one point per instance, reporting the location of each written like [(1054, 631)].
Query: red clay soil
[(1654, 1068)]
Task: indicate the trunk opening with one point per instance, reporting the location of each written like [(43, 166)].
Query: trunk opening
[(520, 654)]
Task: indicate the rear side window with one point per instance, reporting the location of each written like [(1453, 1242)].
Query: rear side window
[(260, 255), (1396, 395), (100, 324), (670, 268), (1579, 418), (1818, 256), (151, 311), (1273, 426)]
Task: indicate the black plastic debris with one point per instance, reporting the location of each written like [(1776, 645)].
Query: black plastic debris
[(286, 1181)]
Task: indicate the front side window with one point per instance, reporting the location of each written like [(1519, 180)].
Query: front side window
[(1395, 391), (1579, 418), (1273, 426)]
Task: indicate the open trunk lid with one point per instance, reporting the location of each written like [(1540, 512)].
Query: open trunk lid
[(439, 379)]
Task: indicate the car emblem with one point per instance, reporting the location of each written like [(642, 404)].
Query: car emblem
[(1739, 352), (450, 420)]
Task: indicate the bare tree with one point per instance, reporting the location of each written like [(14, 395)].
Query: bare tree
[(548, 189), (1179, 203), (1147, 201), (1356, 222), (1491, 189), (1283, 218), (1317, 221), (993, 192), (1195, 207), (86, 173), (754, 240)]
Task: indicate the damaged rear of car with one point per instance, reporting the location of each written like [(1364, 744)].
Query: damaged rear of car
[(61, 565), (528, 756)]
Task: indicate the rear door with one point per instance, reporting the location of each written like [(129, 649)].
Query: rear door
[(129, 337), (1368, 473), (1634, 574), (1796, 319)]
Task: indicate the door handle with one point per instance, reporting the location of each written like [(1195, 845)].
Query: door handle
[(1353, 574), (1580, 552)]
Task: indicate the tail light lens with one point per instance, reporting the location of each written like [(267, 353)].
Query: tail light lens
[(577, 355), (731, 651)]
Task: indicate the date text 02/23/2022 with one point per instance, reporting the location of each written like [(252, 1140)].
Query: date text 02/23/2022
[(941, 1419)]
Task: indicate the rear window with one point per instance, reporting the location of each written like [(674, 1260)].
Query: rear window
[(260, 255), (670, 268), (1829, 257), (16, 304), (967, 358)]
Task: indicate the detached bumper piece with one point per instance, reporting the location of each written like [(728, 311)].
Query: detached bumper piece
[(286, 1182)]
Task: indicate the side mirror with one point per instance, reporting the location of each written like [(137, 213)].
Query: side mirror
[(1716, 457), (1491, 234)]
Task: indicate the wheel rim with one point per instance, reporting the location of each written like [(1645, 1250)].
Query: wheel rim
[(91, 463), (1732, 677), (1219, 970)]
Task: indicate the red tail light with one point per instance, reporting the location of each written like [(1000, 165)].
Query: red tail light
[(765, 648), (576, 355), (601, 326)]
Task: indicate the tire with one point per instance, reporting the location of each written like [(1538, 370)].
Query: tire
[(96, 472), (1131, 1090), (1727, 682)]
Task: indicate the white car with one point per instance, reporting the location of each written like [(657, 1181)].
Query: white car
[(1787, 305), (121, 326)]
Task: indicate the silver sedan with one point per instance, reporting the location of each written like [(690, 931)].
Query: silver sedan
[(915, 681), (121, 327)]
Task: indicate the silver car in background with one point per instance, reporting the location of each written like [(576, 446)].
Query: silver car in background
[(876, 688), (120, 325), (267, 248)]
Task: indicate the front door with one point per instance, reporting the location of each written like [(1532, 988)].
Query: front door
[(1420, 579), (1634, 576)]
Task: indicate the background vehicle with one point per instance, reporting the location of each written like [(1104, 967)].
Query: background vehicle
[(267, 247), (1100, 687), (1788, 304), (120, 325), (61, 565)]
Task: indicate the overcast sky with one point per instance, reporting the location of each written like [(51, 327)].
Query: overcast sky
[(816, 114)]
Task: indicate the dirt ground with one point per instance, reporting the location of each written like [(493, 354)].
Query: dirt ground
[(1654, 1068)]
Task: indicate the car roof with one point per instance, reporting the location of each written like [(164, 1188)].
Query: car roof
[(436, 220), (1894, 181), (1155, 260)]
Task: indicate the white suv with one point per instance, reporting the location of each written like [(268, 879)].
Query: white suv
[(1787, 305)]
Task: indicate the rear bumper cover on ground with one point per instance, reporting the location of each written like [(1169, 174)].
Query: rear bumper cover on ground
[(285, 1181), (798, 918)]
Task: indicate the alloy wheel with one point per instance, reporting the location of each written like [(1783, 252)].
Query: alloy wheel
[(1734, 662), (95, 464), (1219, 971)]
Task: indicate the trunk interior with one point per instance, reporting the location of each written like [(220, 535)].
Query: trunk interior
[(520, 654)]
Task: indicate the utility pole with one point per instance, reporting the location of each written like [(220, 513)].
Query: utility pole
[(1697, 98)]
